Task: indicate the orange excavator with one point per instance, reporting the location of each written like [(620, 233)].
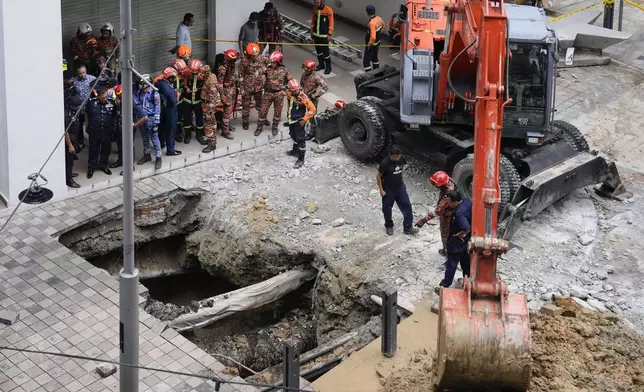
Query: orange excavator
[(476, 86), (484, 330)]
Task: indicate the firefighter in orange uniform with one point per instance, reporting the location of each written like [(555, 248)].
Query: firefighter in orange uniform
[(300, 111), (375, 33)]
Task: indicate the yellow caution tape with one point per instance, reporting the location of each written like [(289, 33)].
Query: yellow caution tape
[(263, 43), (560, 17), (629, 2)]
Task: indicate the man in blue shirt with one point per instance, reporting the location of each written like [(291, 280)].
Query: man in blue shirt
[(150, 100), (459, 235)]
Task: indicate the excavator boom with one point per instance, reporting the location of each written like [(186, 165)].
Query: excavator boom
[(484, 331)]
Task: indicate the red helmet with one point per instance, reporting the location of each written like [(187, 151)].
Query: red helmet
[(440, 178), (179, 65), (170, 72), (310, 64), (184, 51), (231, 55), (118, 90), (252, 49), (92, 43), (293, 85), (195, 66), (340, 104), (277, 57)]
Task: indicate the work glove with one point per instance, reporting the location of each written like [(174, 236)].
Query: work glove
[(430, 215)]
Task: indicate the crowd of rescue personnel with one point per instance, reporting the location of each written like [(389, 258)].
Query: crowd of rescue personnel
[(189, 90)]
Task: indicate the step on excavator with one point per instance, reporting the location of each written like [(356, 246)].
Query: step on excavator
[(476, 86)]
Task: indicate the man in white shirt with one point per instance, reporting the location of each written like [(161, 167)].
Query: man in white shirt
[(183, 32)]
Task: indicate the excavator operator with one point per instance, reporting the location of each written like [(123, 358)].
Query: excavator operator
[(375, 32)]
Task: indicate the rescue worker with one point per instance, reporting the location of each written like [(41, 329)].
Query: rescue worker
[(395, 30), (459, 235), (253, 67), (73, 126), (444, 184), (322, 25), (314, 87), (73, 102), (300, 111), (181, 67), (375, 33), (393, 190), (168, 125), (100, 122), (277, 77), (78, 45), (150, 100), (210, 100), (92, 49), (185, 53), (191, 96), (271, 26), (108, 44), (220, 59), (227, 79)]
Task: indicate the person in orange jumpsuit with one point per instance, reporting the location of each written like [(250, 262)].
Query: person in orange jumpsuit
[(375, 33), (300, 111)]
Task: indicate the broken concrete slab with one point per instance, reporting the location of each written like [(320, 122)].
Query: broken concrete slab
[(585, 36), (9, 317), (586, 16), (105, 369), (585, 59), (551, 310)]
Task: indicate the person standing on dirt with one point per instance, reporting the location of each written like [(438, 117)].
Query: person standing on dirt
[(459, 235), (444, 184), (393, 190)]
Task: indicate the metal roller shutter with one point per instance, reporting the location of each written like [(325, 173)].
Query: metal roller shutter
[(160, 19), (151, 19)]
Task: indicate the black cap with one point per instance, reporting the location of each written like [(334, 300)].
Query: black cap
[(254, 16), (68, 74)]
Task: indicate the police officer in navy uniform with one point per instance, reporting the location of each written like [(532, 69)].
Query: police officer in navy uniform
[(100, 122), (73, 126)]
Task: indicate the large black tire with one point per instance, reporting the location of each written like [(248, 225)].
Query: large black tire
[(509, 180), (571, 134), (388, 135), (362, 129), (363, 77)]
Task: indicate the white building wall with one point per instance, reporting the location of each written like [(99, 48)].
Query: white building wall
[(230, 15), (31, 95)]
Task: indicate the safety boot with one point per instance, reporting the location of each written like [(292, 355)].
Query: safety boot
[(146, 158), (300, 159), (327, 68), (267, 123), (200, 137), (275, 130), (320, 67), (187, 136), (260, 128), (227, 135), (157, 164), (245, 125), (293, 152), (209, 148)]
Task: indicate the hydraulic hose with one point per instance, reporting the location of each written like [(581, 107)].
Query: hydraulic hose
[(449, 72)]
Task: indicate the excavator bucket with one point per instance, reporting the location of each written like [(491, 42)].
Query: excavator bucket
[(557, 171), (483, 343)]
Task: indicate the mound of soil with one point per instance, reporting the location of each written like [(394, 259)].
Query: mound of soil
[(580, 350)]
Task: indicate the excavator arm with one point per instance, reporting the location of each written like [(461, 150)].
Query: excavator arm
[(484, 331)]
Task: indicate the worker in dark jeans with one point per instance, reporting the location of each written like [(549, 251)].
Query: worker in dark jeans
[(393, 190), (459, 235)]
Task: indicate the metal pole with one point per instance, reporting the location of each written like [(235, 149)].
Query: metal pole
[(609, 10), (389, 337), (129, 277), (291, 363), (621, 15)]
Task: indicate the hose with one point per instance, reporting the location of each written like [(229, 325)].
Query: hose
[(449, 72)]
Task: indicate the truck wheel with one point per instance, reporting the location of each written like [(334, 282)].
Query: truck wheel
[(362, 129), (388, 138), (571, 134), (509, 181)]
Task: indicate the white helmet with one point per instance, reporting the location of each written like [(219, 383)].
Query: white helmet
[(108, 26), (145, 77), (84, 28)]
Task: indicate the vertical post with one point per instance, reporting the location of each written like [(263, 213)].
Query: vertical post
[(621, 15), (129, 276), (389, 338), (609, 10), (291, 364)]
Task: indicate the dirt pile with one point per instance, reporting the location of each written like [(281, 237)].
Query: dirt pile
[(581, 350)]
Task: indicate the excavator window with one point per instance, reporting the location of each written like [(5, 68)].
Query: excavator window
[(528, 75)]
